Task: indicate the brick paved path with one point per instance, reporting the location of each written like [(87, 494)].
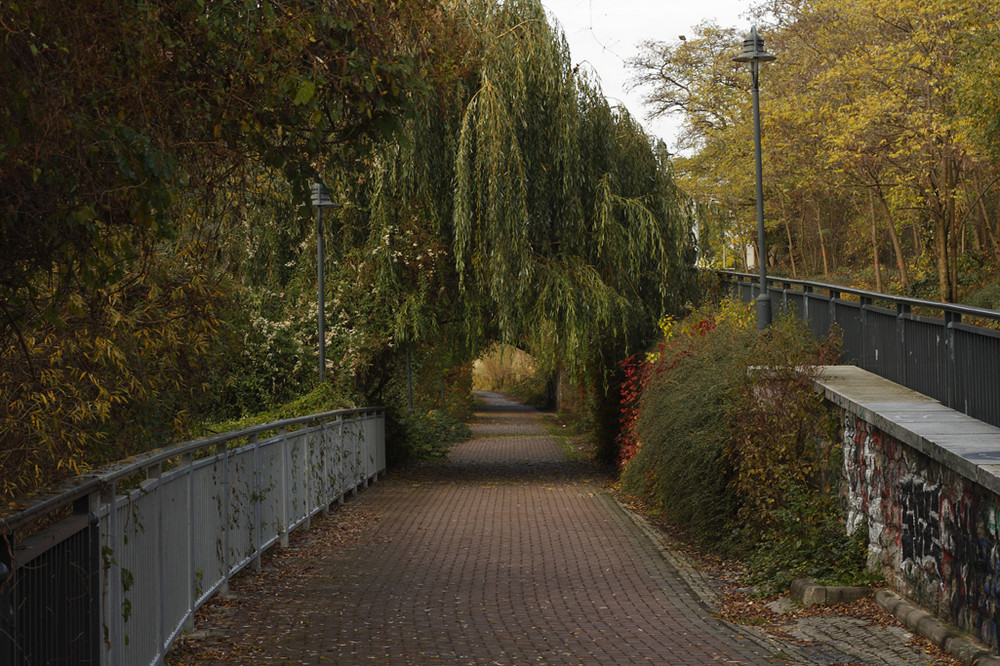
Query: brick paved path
[(507, 554)]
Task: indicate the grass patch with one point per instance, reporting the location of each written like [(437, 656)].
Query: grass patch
[(575, 436)]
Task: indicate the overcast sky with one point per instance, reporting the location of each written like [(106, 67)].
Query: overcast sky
[(605, 33)]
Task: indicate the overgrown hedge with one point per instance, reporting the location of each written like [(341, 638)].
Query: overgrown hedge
[(725, 435)]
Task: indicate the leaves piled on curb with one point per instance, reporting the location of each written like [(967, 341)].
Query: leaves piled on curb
[(740, 607)]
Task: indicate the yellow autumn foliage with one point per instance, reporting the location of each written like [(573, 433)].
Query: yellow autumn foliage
[(106, 375)]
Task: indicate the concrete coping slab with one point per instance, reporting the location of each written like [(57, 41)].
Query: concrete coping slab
[(962, 443)]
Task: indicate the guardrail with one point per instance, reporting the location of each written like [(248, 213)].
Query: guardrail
[(923, 345), (149, 541)]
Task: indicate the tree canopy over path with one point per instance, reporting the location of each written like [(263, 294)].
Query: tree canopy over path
[(159, 264)]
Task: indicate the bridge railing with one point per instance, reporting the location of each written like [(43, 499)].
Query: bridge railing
[(131, 552), (930, 347)]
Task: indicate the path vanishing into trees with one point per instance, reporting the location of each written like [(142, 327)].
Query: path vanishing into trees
[(506, 553)]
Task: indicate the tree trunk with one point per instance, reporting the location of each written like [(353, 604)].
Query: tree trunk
[(878, 270), (822, 243), (941, 255), (988, 230), (788, 233), (791, 249), (951, 217), (809, 267), (897, 247), (936, 202)]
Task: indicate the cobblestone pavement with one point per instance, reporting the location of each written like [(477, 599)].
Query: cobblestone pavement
[(508, 554)]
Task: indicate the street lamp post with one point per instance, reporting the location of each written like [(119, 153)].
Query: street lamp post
[(754, 53), (321, 199)]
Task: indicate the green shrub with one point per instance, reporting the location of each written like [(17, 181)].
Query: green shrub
[(808, 540), (733, 445), (531, 390), (987, 297), (415, 435), (684, 419), (781, 429), (325, 397)]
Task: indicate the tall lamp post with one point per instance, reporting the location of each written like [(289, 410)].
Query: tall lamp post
[(754, 53), (321, 199)]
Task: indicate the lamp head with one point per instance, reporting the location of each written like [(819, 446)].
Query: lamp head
[(753, 49), (321, 195)]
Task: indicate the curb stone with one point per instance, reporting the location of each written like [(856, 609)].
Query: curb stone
[(699, 582), (696, 579), (915, 619), (809, 593), (945, 637)]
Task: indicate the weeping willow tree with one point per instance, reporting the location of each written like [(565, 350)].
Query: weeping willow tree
[(520, 207)]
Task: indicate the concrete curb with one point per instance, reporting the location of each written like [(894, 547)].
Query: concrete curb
[(945, 637), (808, 593)]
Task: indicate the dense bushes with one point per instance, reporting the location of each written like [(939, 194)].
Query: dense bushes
[(724, 433), (422, 435)]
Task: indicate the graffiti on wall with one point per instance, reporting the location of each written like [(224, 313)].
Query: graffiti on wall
[(933, 533)]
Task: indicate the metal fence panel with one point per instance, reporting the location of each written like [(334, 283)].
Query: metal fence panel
[(175, 539), (314, 470), (847, 316), (882, 351), (816, 311), (976, 358), (926, 345), (371, 468), (270, 457), (49, 588), (953, 362), (242, 512), (296, 450), (210, 523), (793, 301), (137, 555), (202, 512)]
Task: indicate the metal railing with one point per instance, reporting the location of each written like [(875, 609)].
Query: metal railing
[(149, 541), (923, 345)]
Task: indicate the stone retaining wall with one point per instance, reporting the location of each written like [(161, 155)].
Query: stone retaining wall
[(924, 480), (933, 533)]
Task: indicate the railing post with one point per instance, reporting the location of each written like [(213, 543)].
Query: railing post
[(187, 460), (222, 450), (7, 616), (283, 432), (806, 317), (154, 477), (832, 309), (951, 318), (306, 453), (903, 373), (865, 335), (325, 450), (113, 576), (381, 440), (358, 434), (341, 449), (257, 500)]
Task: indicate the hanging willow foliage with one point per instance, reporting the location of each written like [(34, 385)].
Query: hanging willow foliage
[(521, 207)]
